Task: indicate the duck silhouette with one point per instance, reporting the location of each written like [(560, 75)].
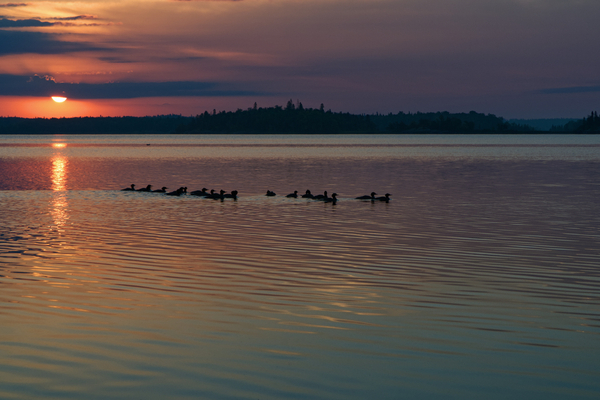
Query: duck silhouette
[(146, 189), (294, 195), (270, 193), (162, 190), (218, 196), (307, 195), (177, 192), (132, 188), (200, 192), (320, 196), (385, 198), (367, 197), (232, 195), (332, 199)]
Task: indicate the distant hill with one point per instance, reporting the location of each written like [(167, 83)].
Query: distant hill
[(542, 124), (589, 124), (445, 122)]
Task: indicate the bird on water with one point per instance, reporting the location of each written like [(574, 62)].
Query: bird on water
[(162, 190), (146, 189), (367, 197), (218, 196), (294, 195), (129, 188), (320, 196), (270, 193), (332, 199), (200, 192), (232, 195), (177, 192), (307, 195), (385, 198)]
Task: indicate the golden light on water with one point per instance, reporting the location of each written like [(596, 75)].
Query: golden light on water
[(59, 173), (59, 181), (59, 99), (59, 145)]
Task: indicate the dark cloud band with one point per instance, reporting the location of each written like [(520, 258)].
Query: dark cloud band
[(17, 42), (16, 85), (10, 5), (22, 23), (75, 18)]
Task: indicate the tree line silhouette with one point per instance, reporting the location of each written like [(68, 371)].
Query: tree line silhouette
[(434, 122), (291, 118), (295, 118)]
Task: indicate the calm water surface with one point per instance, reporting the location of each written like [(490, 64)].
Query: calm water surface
[(479, 279)]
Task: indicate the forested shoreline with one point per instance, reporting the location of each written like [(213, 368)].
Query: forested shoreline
[(293, 118)]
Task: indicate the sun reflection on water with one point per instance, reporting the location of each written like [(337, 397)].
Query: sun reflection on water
[(59, 173), (59, 181)]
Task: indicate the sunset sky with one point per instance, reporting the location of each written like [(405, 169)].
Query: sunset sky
[(512, 58)]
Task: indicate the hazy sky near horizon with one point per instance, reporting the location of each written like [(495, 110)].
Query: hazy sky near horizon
[(512, 58)]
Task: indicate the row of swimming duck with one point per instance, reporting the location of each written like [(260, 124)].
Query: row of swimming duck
[(183, 190), (221, 195), (333, 198), (308, 195)]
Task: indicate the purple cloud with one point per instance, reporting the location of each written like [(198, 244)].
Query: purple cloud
[(75, 18), (13, 5), (19, 85), (22, 23)]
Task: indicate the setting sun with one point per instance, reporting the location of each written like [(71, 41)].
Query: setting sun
[(59, 99)]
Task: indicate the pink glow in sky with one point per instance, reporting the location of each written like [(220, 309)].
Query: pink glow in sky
[(513, 58)]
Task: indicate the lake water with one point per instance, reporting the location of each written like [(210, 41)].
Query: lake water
[(479, 279)]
